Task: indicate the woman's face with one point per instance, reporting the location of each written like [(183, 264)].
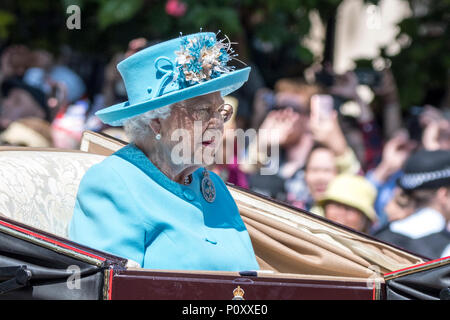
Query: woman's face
[(346, 216), (320, 170), (193, 131)]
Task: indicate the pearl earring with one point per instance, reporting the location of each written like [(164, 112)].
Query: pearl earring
[(158, 136)]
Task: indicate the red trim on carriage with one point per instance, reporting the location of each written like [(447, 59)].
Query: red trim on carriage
[(417, 266), (41, 237)]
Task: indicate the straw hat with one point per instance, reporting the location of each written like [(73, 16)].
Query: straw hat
[(29, 132), (353, 191)]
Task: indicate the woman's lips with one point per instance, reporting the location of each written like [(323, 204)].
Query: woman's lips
[(208, 142)]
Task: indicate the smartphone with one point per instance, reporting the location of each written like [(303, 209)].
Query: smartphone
[(322, 106), (413, 125)]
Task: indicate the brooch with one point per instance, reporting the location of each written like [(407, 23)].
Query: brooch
[(207, 187)]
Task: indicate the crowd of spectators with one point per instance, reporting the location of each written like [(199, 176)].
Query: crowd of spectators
[(348, 151)]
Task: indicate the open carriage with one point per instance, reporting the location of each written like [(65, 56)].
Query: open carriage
[(301, 255)]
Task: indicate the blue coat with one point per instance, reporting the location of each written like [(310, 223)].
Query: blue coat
[(128, 207)]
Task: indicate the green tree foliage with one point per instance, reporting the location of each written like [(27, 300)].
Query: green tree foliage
[(108, 24), (423, 66), (269, 32)]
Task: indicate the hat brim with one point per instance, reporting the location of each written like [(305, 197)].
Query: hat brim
[(226, 83), (369, 212)]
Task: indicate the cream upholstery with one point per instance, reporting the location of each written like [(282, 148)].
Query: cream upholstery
[(39, 188)]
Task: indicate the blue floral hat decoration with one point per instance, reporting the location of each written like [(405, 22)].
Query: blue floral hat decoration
[(175, 70)]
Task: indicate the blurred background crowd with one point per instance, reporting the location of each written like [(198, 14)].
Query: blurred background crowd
[(358, 90)]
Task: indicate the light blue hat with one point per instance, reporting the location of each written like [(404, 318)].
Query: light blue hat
[(37, 78), (173, 71), (73, 82)]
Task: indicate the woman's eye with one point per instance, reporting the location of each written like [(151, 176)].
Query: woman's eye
[(201, 113), (200, 110)]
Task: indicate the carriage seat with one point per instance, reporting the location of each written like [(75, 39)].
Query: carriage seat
[(38, 187)]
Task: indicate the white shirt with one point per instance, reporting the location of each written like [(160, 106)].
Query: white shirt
[(446, 252), (420, 224)]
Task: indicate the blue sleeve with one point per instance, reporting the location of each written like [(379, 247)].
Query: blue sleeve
[(385, 192), (371, 178), (105, 217)]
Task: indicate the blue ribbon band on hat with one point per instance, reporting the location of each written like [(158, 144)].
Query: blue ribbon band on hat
[(168, 76)]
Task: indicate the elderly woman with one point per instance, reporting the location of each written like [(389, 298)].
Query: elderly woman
[(153, 201)]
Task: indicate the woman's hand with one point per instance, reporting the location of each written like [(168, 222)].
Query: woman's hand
[(283, 123), (395, 153), (324, 125), (279, 127), (436, 133)]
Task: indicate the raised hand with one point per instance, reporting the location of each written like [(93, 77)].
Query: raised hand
[(284, 123), (324, 125), (395, 153)]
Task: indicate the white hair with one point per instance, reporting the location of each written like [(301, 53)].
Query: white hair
[(138, 126)]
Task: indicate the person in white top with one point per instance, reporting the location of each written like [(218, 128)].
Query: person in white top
[(425, 187)]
